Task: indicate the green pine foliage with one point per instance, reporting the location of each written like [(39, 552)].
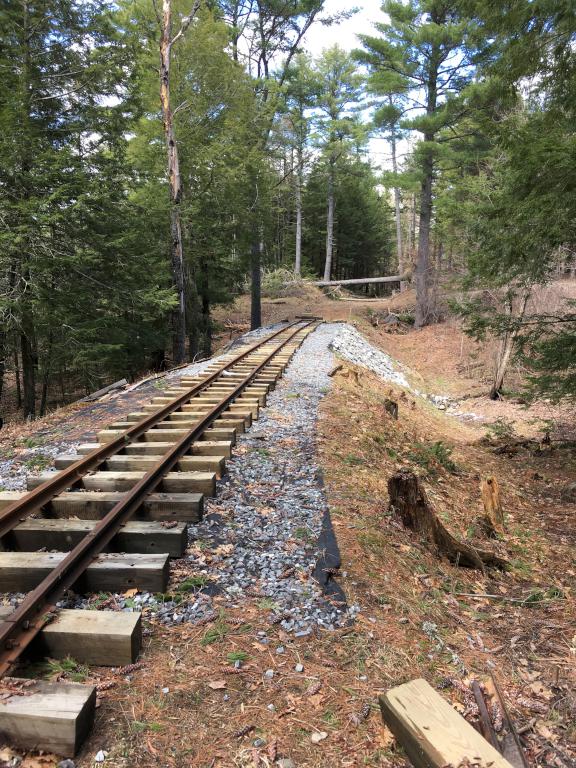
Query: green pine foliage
[(363, 227), (478, 103)]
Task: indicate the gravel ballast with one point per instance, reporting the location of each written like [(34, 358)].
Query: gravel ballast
[(263, 534)]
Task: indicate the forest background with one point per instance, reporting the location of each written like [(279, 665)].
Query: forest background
[(160, 157)]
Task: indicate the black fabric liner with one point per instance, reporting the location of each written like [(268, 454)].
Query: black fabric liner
[(329, 558)]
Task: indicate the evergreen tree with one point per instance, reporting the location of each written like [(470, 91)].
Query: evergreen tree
[(362, 225), (425, 55), (337, 124), (64, 108)]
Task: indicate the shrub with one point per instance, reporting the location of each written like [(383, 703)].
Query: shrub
[(279, 283)]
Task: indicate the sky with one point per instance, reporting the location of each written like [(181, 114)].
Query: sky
[(345, 34)]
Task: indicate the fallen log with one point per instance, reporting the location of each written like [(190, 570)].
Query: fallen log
[(409, 500), (361, 281), (104, 391)]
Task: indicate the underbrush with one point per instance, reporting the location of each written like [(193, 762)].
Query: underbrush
[(445, 623), (280, 283)]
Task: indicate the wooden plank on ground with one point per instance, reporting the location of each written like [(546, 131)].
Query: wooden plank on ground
[(100, 638), (134, 536), (431, 732), (22, 571), (55, 717)]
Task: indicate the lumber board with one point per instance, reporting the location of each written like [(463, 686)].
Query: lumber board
[(173, 482), (55, 717), (134, 536), (100, 638), (22, 571), (432, 733)]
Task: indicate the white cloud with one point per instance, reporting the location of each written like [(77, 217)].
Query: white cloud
[(345, 33)]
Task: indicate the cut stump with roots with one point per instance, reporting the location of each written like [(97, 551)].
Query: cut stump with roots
[(409, 500)]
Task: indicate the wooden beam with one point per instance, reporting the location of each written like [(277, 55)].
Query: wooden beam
[(22, 571), (431, 732), (122, 463), (360, 281), (100, 392), (147, 538), (171, 435), (173, 482), (201, 448), (55, 717), (100, 638), (93, 505)]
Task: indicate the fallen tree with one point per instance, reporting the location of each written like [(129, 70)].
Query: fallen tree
[(409, 500), (361, 281)]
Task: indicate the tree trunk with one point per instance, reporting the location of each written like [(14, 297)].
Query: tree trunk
[(424, 306), (179, 314), (401, 266), (409, 500), (3, 353), (29, 364), (422, 270), (46, 375), (175, 186), (17, 375), (256, 282), (330, 222), (298, 258), (507, 345)]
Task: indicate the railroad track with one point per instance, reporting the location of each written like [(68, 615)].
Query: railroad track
[(110, 520)]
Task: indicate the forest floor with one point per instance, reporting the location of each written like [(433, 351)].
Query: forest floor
[(420, 616)]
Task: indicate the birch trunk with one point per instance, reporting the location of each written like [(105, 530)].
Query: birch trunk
[(507, 346)]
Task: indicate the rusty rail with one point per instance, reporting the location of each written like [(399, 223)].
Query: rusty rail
[(22, 626), (33, 502)]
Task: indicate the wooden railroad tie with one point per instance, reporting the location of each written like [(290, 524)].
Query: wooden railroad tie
[(135, 553), (93, 505)]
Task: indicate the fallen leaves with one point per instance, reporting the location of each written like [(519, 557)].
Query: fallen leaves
[(217, 685)]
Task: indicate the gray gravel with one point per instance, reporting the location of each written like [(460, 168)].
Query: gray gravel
[(259, 535), (351, 345)]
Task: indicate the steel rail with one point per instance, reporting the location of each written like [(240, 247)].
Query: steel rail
[(22, 626), (22, 508)]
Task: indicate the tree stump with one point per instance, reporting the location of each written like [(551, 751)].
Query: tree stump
[(493, 514), (391, 407), (408, 498)]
